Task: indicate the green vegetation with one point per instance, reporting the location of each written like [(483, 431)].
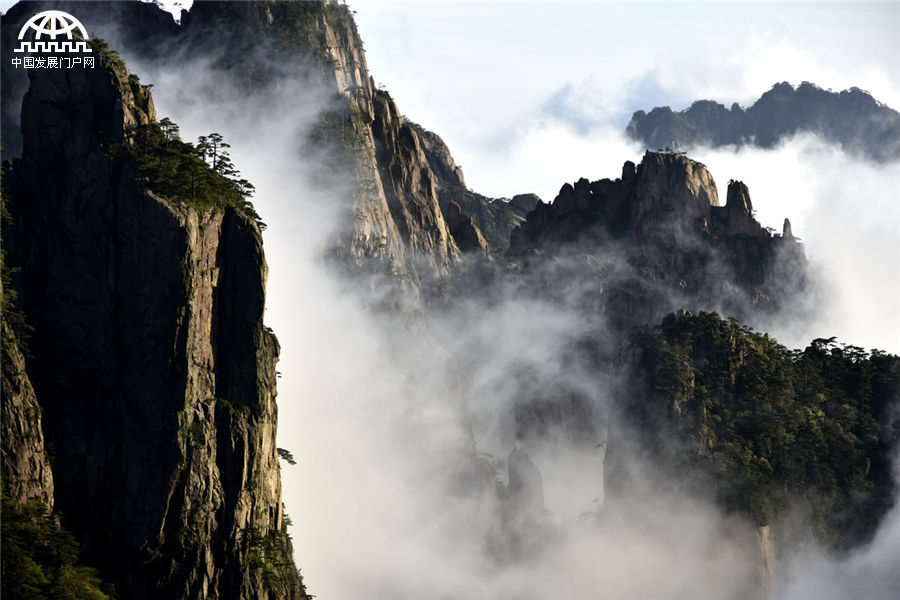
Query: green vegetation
[(201, 175), (111, 56), (14, 327), (269, 560), (287, 456), (40, 558), (776, 429), (198, 439)]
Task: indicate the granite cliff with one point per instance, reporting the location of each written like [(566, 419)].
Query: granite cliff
[(150, 372), (851, 118), (657, 239)]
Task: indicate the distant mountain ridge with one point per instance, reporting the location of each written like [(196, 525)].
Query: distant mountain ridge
[(851, 118)]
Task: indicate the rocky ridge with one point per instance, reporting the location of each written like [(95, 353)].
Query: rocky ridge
[(657, 239), (851, 118), (495, 218)]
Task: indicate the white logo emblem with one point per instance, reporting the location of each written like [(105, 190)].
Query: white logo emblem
[(53, 23)]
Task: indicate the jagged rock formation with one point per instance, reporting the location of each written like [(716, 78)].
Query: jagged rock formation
[(495, 218), (851, 118), (149, 358), (394, 224), (656, 240), (623, 253), (407, 184), (525, 203), (404, 178), (464, 230)]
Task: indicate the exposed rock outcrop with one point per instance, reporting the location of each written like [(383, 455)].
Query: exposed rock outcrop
[(656, 240), (463, 229), (737, 216), (525, 529), (766, 556), (149, 357), (851, 118), (408, 186), (26, 468), (525, 203), (439, 158), (494, 218)]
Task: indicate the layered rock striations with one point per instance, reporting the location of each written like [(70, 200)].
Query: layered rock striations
[(851, 118), (149, 359)]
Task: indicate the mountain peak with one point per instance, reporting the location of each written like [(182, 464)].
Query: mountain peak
[(852, 119)]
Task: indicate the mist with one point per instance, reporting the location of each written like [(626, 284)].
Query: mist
[(385, 500), (382, 416)]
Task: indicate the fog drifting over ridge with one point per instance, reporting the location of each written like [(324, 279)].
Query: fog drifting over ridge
[(375, 420), (598, 63)]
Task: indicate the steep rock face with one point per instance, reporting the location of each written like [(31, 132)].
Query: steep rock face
[(494, 218), (408, 185), (439, 158), (464, 230), (150, 360), (851, 118), (389, 229), (525, 202), (26, 466), (393, 225), (143, 24), (660, 241)]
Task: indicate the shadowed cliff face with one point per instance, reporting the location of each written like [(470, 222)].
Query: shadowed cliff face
[(149, 358), (657, 240), (851, 118), (489, 221)]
